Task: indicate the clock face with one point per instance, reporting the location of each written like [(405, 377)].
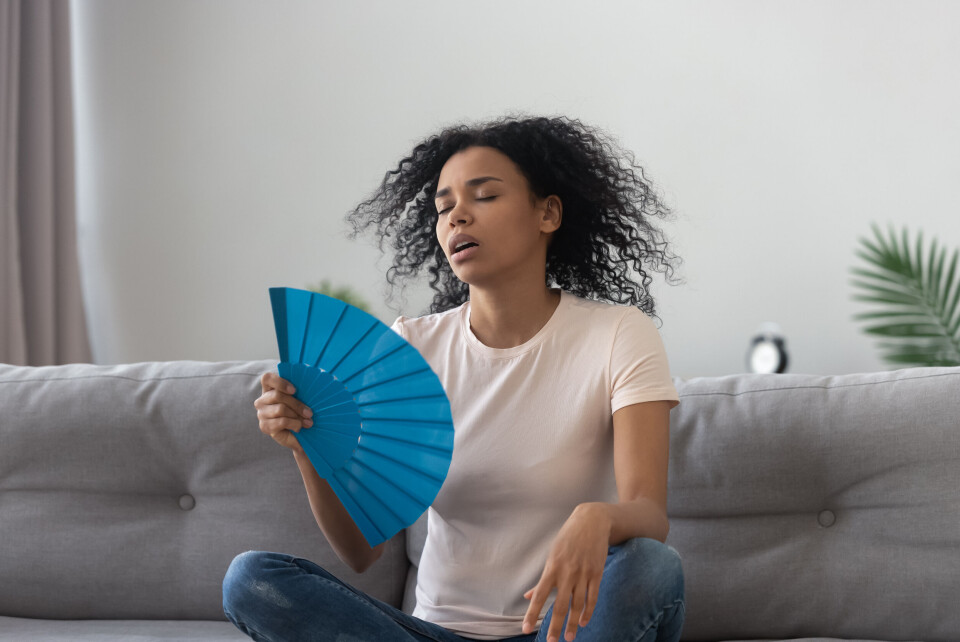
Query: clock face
[(765, 357)]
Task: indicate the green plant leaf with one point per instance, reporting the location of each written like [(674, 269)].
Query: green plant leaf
[(912, 345), (924, 355), (890, 244), (875, 255), (885, 277), (887, 287), (905, 247), (884, 295), (907, 330), (880, 299), (892, 314), (916, 261), (933, 279), (879, 235), (880, 276), (922, 316), (950, 310), (897, 265), (867, 243), (929, 350), (911, 359), (948, 283)]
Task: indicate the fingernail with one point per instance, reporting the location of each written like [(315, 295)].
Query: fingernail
[(291, 389), (307, 412), (308, 422)]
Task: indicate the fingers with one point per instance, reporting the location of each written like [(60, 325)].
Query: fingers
[(560, 607), (593, 595), (272, 380), (280, 413), (579, 601), (276, 417), (280, 391), (282, 428), (533, 611), (576, 608), (283, 402)]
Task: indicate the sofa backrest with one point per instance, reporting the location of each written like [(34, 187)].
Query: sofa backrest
[(125, 491), (819, 506), (802, 505)]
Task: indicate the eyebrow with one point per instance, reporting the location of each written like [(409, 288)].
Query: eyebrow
[(470, 183)]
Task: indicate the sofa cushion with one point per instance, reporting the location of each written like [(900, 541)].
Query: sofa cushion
[(126, 491), (13, 629), (807, 505), (20, 629)]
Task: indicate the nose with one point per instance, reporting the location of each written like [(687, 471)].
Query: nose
[(458, 216)]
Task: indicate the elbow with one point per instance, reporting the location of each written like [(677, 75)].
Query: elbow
[(664, 530), (659, 527), (359, 569), (365, 565), (656, 524)]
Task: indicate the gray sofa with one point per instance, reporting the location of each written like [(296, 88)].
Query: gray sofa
[(803, 506)]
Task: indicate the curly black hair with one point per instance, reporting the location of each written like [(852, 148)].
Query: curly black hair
[(606, 226)]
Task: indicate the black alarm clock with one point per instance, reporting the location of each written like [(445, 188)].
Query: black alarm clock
[(767, 353)]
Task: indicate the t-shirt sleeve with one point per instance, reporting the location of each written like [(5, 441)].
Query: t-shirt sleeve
[(398, 326), (639, 370)]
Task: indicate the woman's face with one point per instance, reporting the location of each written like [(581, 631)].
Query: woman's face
[(485, 210)]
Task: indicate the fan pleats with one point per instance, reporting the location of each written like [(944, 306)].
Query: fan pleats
[(382, 434)]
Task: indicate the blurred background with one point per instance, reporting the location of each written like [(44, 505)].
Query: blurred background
[(219, 145)]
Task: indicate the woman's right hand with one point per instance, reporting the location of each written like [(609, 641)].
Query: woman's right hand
[(280, 413)]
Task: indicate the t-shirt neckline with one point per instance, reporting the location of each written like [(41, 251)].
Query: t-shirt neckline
[(502, 353)]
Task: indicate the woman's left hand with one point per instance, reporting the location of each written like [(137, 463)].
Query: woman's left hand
[(574, 566)]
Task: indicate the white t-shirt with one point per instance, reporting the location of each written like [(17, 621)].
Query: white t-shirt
[(533, 438)]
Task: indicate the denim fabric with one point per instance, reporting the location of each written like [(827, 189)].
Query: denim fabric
[(273, 597)]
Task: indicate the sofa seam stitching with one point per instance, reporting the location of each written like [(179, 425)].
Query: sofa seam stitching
[(813, 387), (106, 376)]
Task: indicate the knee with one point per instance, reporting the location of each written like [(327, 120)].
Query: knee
[(244, 578), (648, 567), (244, 567)]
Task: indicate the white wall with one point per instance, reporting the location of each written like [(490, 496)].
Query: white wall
[(221, 143)]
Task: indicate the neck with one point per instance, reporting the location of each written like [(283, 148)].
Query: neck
[(511, 314)]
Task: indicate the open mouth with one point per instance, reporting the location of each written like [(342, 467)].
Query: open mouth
[(462, 246)]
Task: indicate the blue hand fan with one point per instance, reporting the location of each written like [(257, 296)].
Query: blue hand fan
[(382, 434)]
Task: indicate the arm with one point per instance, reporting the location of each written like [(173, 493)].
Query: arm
[(333, 519), (280, 416), (338, 527), (576, 560), (641, 446)]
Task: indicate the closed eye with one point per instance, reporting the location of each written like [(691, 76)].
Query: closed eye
[(446, 209)]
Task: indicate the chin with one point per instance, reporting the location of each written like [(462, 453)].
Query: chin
[(463, 278)]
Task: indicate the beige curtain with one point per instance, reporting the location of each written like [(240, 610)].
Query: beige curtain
[(41, 307)]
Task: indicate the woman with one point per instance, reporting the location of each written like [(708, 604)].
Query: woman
[(560, 404)]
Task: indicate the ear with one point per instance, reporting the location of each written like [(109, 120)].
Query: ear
[(552, 214)]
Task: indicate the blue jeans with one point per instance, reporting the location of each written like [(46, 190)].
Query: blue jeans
[(273, 597)]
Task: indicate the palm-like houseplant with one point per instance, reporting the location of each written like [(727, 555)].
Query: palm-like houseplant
[(920, 322)]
